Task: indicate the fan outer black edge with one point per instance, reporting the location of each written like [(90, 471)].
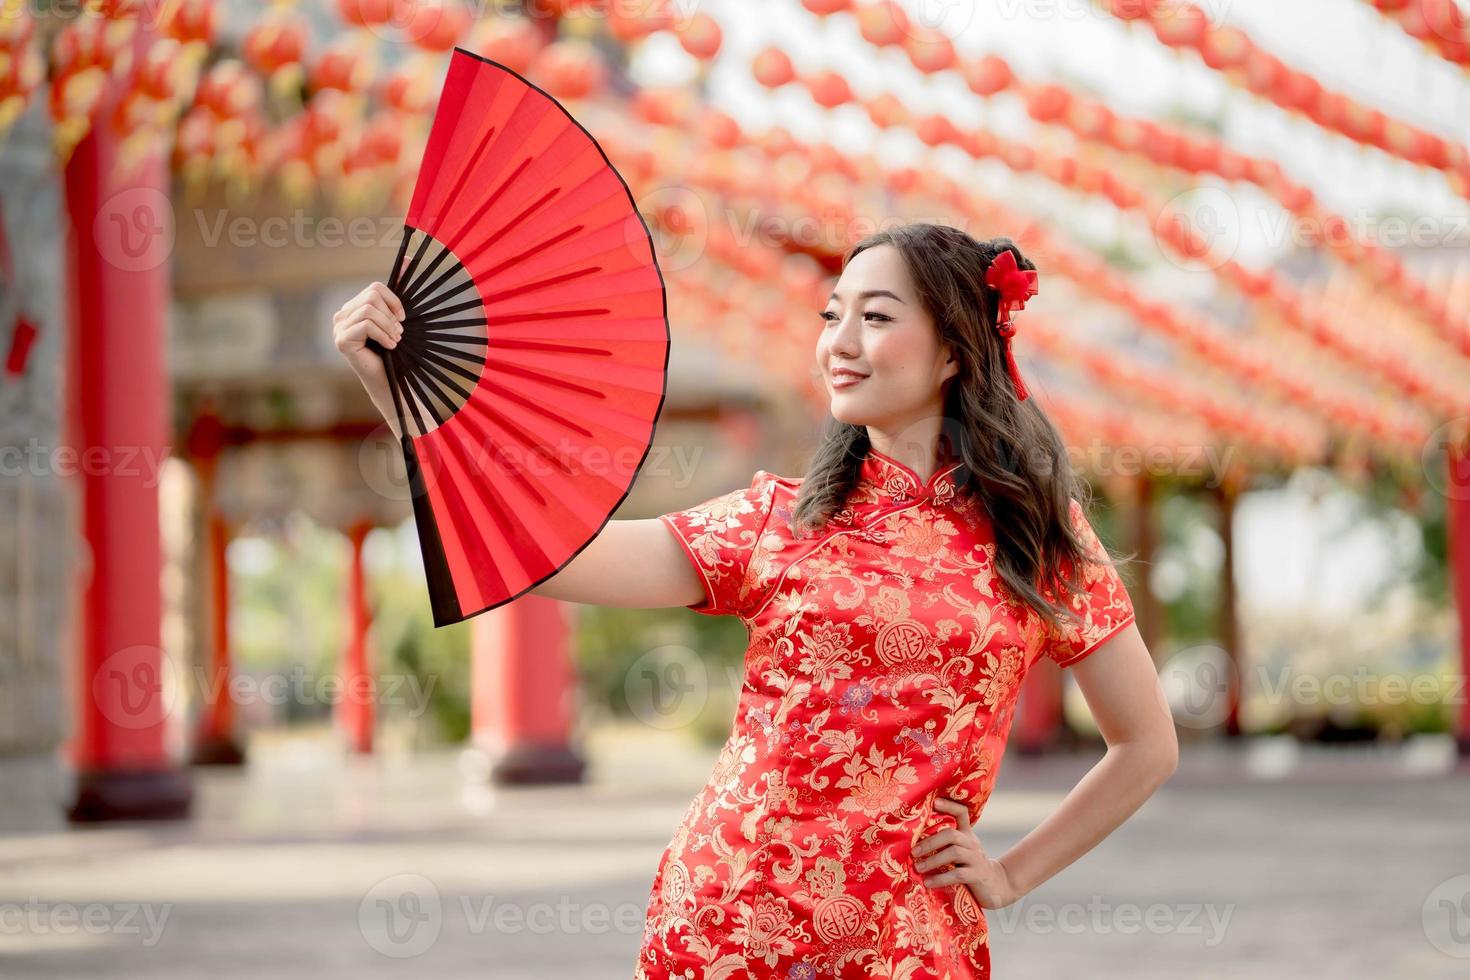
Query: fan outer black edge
[(447, 610)]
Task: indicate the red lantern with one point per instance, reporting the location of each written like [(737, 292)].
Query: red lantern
[(1132, 9), (381, 141), (1060, 169), (277, 41), (409, 89), (887, 111), (1263, 72), (1225, 47), (1048, 103), (229, 90), (163, 71), (1298, 90), (987, 76), (324, 120), (1180, 25), (883, 23), (195, 134), (903, 180), (929, 50), (1018, 156), (570, 69), (700, 36), (191, 21), (720, 128), (772, 68), (1200, 155), (824, 8), (345, 66), (513, 41), (1330, 110), (661, 106), (629, 23), (93, 42), (366, 13), (828, 89), (75, 95), (116, 9), (437, 27)]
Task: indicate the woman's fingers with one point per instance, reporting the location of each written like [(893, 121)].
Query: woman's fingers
[(390, 301), (383, 318), (381, 328), (960, 811), (934, 840), (954, 854), (368, 322)]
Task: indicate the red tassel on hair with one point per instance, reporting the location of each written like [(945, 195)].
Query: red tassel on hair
[(1015, 285)]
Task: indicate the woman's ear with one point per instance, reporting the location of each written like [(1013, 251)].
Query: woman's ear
[(951, 365)]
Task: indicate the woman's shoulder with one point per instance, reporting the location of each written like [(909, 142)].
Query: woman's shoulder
[(766, 477)]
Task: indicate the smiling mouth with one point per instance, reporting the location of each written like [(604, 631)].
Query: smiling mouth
[(845, 380)]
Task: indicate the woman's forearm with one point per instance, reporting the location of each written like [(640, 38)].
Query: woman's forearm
[(1126, 776), (376, 383)]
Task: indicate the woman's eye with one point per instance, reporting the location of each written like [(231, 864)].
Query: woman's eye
[(829, 317)]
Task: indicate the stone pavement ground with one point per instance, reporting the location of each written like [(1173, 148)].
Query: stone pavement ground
[(1263, 862)]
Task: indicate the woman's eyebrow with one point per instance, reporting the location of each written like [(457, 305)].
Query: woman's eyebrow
[(868, 293)]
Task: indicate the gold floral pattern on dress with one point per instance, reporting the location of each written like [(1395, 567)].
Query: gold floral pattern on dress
[(884, 664)]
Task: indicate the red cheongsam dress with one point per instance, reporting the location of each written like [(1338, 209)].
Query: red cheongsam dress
[(884, 659)]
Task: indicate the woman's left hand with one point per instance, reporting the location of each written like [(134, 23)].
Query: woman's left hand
[(983, 875)]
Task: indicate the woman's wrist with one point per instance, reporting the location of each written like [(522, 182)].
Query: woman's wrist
[(1015, 889)]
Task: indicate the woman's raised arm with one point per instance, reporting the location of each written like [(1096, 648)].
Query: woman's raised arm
[(634, 564)]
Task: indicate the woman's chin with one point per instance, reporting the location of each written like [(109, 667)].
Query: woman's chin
[(849, 410)]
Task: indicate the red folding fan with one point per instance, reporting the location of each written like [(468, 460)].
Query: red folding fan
[(535, 346)]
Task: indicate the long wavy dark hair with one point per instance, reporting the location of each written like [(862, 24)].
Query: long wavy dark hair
[(1014, 458)]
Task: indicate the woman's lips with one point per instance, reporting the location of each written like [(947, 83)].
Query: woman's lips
[(846, 380)]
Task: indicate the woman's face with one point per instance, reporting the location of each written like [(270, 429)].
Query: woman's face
[(875, 325)]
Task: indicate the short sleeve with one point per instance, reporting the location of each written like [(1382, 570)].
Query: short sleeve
[(1100, 610), (720, 536)]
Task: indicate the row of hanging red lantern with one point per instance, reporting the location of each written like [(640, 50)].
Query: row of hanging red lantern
[(1233, 413), (1289, 438), (1390, 422), (222, 132), (351, 132), (22, 69), (885, 24), (1181, 24), (1440, 24), (1284, 434), (1165, 442), (1091, 120), (156, 64), (1387, 421), (1374, 356)]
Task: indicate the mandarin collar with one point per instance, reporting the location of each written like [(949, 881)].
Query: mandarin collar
[(884, 480)]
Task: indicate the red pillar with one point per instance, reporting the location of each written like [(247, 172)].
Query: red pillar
[(214, 741), (1457, 514), (355, 711), (524, 697), (1228, 494), (118, 221)]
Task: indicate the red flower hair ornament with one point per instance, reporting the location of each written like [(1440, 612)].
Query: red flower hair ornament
[(1015, 286)]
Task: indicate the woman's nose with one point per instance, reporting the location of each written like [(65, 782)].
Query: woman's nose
[(845, 337)]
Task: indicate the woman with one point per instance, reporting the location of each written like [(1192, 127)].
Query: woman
[(894, 597)]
